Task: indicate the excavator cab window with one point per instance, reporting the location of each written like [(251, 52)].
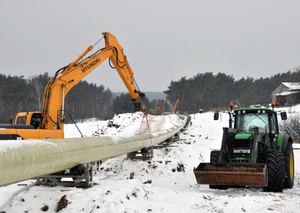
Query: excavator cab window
[(21, 120), (36, 120)]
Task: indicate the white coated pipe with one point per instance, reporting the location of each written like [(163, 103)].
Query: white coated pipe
[(27, 159)]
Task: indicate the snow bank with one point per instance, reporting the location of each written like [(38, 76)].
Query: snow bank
[(126, 124)]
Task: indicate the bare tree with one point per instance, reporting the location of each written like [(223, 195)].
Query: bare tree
[(38, 88), (291, 127)]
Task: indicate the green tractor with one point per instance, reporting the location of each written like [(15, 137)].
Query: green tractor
[(253, 153)]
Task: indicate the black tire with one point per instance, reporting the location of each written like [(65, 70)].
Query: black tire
[(289, 166), (276, 171), (78, 170), (214, 158)]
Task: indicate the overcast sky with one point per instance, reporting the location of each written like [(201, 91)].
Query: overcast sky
[(164, 40)]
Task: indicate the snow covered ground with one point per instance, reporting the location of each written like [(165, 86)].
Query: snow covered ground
[(164, 184)]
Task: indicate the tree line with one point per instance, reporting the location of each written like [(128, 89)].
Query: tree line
[(87, 100), (207, 91)]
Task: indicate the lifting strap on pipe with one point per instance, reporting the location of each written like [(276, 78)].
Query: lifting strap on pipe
[(145, 115)]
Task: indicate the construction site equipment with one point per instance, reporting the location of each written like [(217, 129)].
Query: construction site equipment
[(163, 109), (253, 152), (143, 154), (78, 176), (177, 101), (49, 123), (27, 159), (160, 111), (154, 112)]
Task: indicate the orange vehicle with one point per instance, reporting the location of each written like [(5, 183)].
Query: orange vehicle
[(177, 101), (49, 123)]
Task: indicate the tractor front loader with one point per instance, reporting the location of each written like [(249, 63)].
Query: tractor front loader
[(253, 153)]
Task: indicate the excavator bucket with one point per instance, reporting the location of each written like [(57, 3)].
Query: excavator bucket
[(231, 174)]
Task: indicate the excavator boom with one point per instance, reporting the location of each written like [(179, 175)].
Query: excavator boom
[(62, 82)]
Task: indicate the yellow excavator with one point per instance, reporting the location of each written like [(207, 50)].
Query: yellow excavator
[(49, 123)]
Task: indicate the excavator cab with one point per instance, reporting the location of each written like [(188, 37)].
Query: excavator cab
[(29, 118)]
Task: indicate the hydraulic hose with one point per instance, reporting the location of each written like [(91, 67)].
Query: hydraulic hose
[(11, 197)]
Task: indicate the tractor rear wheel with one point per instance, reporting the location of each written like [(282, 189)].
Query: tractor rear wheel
[(276, 171), (289, 166)]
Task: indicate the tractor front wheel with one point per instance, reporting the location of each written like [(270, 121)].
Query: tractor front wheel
[(214, 158)]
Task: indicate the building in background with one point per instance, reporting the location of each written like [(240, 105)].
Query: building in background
[(286, 94)]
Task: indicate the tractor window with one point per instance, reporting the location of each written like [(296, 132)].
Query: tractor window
[(248, 121), (273, 124), (21, 120)]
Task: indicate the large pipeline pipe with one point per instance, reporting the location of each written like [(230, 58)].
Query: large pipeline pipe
[(27, 159)]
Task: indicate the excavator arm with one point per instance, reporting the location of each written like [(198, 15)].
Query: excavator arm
[(121, 64), (67, 77)]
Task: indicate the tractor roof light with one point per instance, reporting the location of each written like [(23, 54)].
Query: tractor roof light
[(273, 105), (231, 106)]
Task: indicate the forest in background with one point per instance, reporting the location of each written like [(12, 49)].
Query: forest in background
[(87, 100), (207, 91)]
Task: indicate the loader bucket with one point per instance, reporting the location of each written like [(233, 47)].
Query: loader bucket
[(231, 174)]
